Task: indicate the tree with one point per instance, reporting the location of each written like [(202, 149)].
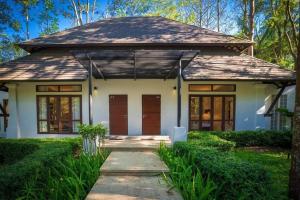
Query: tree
[(26, 6), (48, 19), (292, 26), (251, 26)]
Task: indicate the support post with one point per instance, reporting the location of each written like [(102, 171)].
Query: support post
[(90, 92), (179, 94)]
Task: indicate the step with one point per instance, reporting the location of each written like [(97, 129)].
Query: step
[(134, 144), (132, 188), (145, 163)]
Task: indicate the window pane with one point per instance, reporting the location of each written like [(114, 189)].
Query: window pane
[(65, 117), (43, 127), (75, 126), (206, 108), (228, 125), (42, 108), (76, 108), (206, 125), (229, 108), (47, 88), (224, 88), (200, 88), (217, 126), (70, 88), (194, 108), (53, 115), (217, 108), (194, 125)]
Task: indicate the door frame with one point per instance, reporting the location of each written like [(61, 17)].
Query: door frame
[(109, 111), (159, 113), (212, 107)]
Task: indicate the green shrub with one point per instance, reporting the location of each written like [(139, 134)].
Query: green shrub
[(235, 178), (11, 151), (269, 138), (71, 178), (197, 139), (13, 177), (191, 184)]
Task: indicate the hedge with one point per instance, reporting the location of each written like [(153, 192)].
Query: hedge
[(235, 178), (269, 138), (46, 152), (209, 140)]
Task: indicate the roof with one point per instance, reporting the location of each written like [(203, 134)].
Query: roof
[(43, 66), (135, 31), (235, 67)]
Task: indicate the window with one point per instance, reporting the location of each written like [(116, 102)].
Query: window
[(212, 112), (58, 114), (212, 88), (279, 120), (58, 88)]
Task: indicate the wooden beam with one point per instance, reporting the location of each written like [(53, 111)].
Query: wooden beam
[(268, 113), (179, 75), (98, 70), (90, 70)]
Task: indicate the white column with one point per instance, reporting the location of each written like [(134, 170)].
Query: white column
[(13, 129)]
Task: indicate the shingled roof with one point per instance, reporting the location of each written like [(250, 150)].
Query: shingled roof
[(134, 31), (235, 67), (43, 66)]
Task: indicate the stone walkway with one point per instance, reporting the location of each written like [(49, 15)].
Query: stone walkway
[(132, 173)]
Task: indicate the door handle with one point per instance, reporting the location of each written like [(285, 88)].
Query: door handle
[(144, 116)]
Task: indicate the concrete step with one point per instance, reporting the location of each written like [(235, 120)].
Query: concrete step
[(135, 163), (132, 143), (132, 188)]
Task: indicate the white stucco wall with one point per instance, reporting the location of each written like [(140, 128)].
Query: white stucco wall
[(250, 98)]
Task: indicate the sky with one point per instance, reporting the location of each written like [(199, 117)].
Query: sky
[(34, 26)]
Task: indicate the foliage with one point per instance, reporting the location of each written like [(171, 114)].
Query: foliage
[(191, 183), (207, 139), (268, 138), (235, 178), (276, 163), (71, 178), (92, 131), (13, 177), (11, 151)]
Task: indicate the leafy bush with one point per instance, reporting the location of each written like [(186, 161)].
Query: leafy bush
[(191, 184), (71, 178), (11, 151), (13, 177), (197, 139), (235, 178), (269, 138)]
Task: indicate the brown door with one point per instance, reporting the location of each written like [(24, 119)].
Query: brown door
[(118, 115), (151, 114)]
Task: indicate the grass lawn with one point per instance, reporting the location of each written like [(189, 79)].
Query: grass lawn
[(275, 162)]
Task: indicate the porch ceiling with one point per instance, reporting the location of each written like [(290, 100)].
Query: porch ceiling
[(134, 64)]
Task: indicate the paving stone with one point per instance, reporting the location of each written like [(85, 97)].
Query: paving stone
[(132, 188), (133, 163)]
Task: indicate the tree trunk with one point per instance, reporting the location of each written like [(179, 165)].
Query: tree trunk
[(218, 15), (251, 26), (27, 23), (294, 189), (87, 11)]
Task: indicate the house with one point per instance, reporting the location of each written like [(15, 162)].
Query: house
[(140, 76)]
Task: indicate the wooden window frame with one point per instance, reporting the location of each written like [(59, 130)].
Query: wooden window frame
[(48, 124), (59, 88), (212, 110), (211, 87)]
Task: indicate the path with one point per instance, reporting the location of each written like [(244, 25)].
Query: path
[(133, 171)]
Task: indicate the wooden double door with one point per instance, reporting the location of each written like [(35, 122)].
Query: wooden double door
[(118, 114)]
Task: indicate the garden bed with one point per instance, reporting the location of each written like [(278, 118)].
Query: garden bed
[(47, 169), (230, 165)]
